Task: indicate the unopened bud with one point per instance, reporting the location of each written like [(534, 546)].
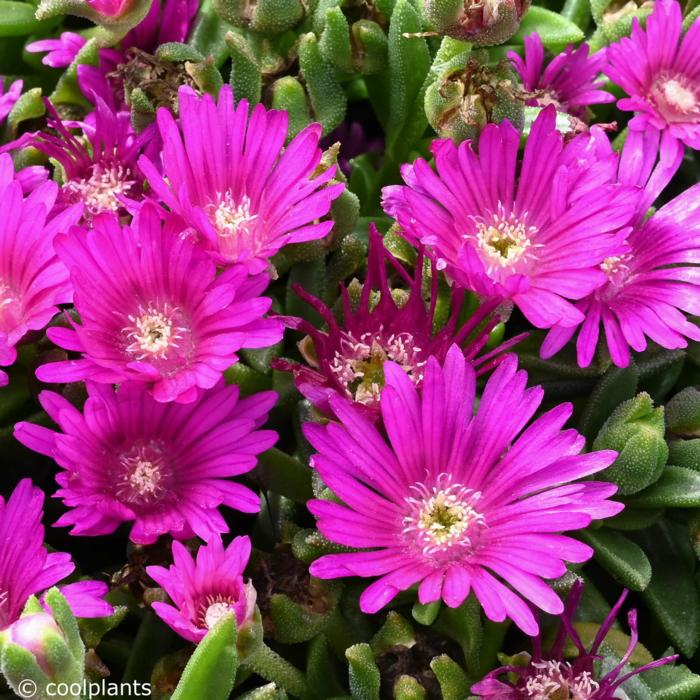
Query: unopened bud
[(481, 22)]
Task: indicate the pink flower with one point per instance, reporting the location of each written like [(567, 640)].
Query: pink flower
[(111, 8), (234, 183), (61, 51), (349, 357), (554, 674), (104, 175), (570, 80), (655, 280), (497, 231), (33, 282), (660, 71), (152, 309), (27, 569), (455, 501), (164, 467), (205, 590)]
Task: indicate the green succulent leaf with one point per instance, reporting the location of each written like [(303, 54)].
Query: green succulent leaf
[(554, 30)]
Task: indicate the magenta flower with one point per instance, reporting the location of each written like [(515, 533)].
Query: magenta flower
[(166, 21), (456, 501), (61, 50), (27, 569), (9, 98), (33, 282), (206, 589), (549, 675), (660, 71), (655, 280), (349, 359), (233, 183), (103, 176), (164, 467), (570, 80), (152, 309), (505, 236)]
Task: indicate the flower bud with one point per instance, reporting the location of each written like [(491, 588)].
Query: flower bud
[(117, 16), (37, 634), (481, 22), (461, 102), (636, 431)]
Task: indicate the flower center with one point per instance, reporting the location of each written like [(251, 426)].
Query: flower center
[(235, 225), (555, 680), (443, 517), (153, 332), (503, 242), (100, 192), (616, 268), (10, 308), (359, 364), (677, 98), (144, 475), (213, 609)]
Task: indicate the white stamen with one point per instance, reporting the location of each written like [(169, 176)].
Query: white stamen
[(231, 217), (677, 98), (359, 364), (443, 516), (144, 474), (100, 191), (153, 332), (555, 679)]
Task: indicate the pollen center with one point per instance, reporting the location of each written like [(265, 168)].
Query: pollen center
[(504, 241), (212, 609), (153, 332), (616, 268), (677, 98), (442, 517), (100, 192), (359, 364), (555, 680), (144, 475)]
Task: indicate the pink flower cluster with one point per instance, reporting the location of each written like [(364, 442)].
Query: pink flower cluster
[(162, 244)]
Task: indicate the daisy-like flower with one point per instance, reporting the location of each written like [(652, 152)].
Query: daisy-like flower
[(33, 282), (27, 569), (497, 231), (349, 358), (205, 589), (61, 51), (233, 183), (164, 467), (655, 280), (153, 309), (456, 501), (549, 675), (100, 169), (659, 69), (570, 80), (9, 98)]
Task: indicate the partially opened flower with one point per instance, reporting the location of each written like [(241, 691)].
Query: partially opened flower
[(569, 81), (100, 170), (549, 675), (164, 467), (235, 184), (152, 309), (651, 284), (27, 568), (497, 231), (659, 68), (61, 51), (348, 358), (33, 281), (205, 589), (453, 501)]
